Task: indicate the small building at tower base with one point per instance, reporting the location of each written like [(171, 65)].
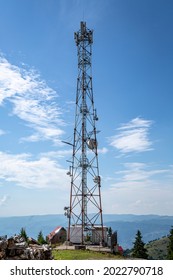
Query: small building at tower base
[(92, 237)]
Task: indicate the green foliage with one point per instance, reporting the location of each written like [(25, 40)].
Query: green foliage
[(157, 249), (138, 250), (41, 239), (88, 238), (170, 246), (110, 231), (23, 234)]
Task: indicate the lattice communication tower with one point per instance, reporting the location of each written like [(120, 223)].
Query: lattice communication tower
[(85, 210)]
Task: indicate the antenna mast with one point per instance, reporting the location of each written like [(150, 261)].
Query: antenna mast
[(85, 211)]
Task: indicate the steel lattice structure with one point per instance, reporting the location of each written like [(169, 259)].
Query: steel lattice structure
[(85, 211)]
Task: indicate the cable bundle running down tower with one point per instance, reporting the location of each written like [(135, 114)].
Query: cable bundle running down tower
[(85, 211)]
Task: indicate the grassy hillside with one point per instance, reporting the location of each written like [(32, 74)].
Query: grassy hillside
[(157, 249)]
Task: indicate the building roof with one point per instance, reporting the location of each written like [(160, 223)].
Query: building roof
[(54, 232)]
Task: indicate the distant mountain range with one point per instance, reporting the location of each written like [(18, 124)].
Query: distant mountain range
[(151, 226)]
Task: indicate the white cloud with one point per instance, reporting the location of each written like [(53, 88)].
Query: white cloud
[(32, 100), (22, 170), (132, 136), (2, 132), (138, 200), (3, 200), (57, 154), (103, 151), (140, 175), (12, 81), (140, 189)]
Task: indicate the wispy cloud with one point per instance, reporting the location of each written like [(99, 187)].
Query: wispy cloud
[(57, 154), (140, 175), (2, 132), (103, 150), (142, 188), (33, 101), (24, 171), (3, 200), (132, 136)]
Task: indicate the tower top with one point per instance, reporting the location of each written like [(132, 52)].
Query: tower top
[(84, 34)]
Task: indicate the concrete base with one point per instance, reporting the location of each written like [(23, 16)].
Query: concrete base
[(68, 243), (80, 247)]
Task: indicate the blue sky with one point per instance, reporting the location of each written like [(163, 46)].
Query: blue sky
[(133, 93)]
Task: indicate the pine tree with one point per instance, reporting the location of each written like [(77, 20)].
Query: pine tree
[(110, 231), (170, 246), (23, 234), (40, 238), (139, 251)]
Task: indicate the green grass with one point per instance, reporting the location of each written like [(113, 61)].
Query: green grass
[(83, 255)]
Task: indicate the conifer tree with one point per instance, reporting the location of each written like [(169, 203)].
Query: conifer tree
[(170, 246), (23, 234), (40, 238), (110, 231), (139, 251)]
